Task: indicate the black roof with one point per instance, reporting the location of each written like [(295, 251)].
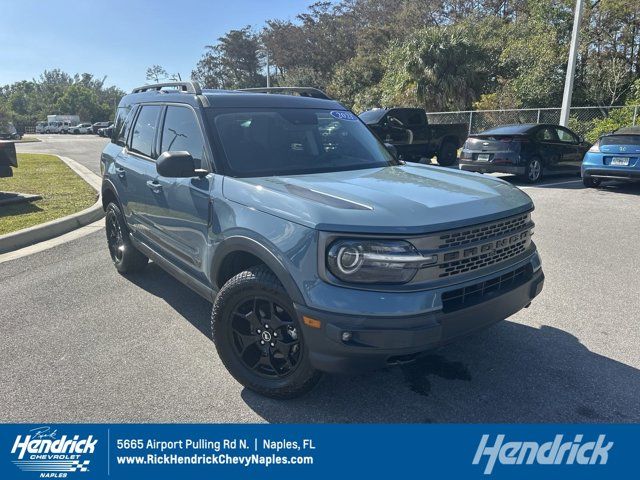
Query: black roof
[(514, 129), (225, 98), (628, 131)]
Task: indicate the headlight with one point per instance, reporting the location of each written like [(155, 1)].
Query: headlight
[(375, 261), (595, 147)]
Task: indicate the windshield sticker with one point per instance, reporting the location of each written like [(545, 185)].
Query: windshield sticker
[(342, 115)]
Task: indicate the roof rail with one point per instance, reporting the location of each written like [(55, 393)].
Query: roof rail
[(302, 91), (187, 87)]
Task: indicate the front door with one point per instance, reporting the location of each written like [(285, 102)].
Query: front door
[(184, 203), (572, 153)]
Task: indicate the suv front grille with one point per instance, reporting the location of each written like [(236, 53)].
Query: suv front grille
[(478, 234), (480, 292), (517, 245)]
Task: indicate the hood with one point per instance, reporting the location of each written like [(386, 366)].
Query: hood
[(407, 199)]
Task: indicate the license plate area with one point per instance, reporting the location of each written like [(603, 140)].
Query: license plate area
[(483, 157), (620, 161)]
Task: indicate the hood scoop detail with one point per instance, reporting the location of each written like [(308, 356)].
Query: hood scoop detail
[(325, 198)]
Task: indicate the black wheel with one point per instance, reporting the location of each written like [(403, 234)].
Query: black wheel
[(125, 256), (258, 337), (448, 154), (534, 170), (591, 182)]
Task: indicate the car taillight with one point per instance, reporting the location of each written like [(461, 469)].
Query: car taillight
[(595, 147)]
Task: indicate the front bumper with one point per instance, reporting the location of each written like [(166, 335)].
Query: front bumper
[(378, 341), (488, 167)]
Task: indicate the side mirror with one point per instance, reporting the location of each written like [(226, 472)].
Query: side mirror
[(178, 164), (392, 150)]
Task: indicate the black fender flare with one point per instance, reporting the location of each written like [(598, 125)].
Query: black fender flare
[(108, 186), (239, 243)]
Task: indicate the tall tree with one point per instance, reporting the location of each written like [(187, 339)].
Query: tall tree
[(156, 73), (234, 62)]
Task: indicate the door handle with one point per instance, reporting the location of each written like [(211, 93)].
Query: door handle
[(120, 172), (154, 186)]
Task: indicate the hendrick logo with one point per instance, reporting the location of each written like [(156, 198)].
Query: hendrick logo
[(42, 450), (555, 452)]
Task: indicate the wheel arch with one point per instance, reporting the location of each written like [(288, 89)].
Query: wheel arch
[(237, 253), (108, 194)]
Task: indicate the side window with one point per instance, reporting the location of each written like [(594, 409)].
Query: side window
[(122, 125), (566, 136), (414, 118), (181, 132), (546, 135), (144, 131)]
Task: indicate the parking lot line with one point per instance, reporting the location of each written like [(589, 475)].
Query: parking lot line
[(568, 182)]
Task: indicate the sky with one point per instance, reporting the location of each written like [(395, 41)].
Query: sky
[(120, 39)]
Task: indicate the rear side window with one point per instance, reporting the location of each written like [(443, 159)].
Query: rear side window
[(546, 135), (122, 125), (144, 131), (181, 132)]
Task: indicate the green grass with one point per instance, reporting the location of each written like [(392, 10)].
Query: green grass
[(63, 192)]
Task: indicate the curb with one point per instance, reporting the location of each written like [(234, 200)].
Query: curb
[(45, 231)]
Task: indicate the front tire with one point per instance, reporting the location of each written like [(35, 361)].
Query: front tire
[(258, 337), (448, 154), (126, 258)]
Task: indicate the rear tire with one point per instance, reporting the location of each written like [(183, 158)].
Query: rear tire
[(448, 154), (126, 258), (258, 336), (534, 170), (591, 182)]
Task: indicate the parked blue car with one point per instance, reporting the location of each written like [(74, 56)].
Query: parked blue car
[(615, 156)]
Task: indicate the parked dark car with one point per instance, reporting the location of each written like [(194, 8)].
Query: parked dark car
[(98, 125), (527, 150), (319, 250), (8, 131), (409, 131), (8, 158), (615, 156)]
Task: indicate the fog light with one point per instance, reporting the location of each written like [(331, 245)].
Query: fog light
[(346, 336)]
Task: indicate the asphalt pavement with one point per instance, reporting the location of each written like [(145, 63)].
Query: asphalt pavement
[(81, 343)]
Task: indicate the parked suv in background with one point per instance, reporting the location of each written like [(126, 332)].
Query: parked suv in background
[(529, 150), (320, 251)]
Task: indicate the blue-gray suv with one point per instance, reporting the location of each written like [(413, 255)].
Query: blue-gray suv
[(320, 251)]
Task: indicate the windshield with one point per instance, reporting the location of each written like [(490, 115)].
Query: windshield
[(620, 140), (286, 141)]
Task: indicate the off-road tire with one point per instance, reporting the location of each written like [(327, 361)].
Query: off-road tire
[(258, 282), (448, 154), (129, 259)]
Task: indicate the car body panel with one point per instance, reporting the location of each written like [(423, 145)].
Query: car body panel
[(403, 199)]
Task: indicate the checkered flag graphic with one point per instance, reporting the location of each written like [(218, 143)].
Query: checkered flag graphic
[(78, 466)]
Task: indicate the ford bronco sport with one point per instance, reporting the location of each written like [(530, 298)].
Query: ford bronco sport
[(319, 250)]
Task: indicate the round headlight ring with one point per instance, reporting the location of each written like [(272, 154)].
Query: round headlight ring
[(349, 259)]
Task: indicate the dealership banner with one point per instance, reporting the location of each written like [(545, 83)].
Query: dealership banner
[(136, 451)]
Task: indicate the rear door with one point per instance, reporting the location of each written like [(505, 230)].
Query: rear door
[(137, 169), (549, 148), (184, 203)]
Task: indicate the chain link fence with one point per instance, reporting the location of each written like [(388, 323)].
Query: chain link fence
[(581, 119)]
